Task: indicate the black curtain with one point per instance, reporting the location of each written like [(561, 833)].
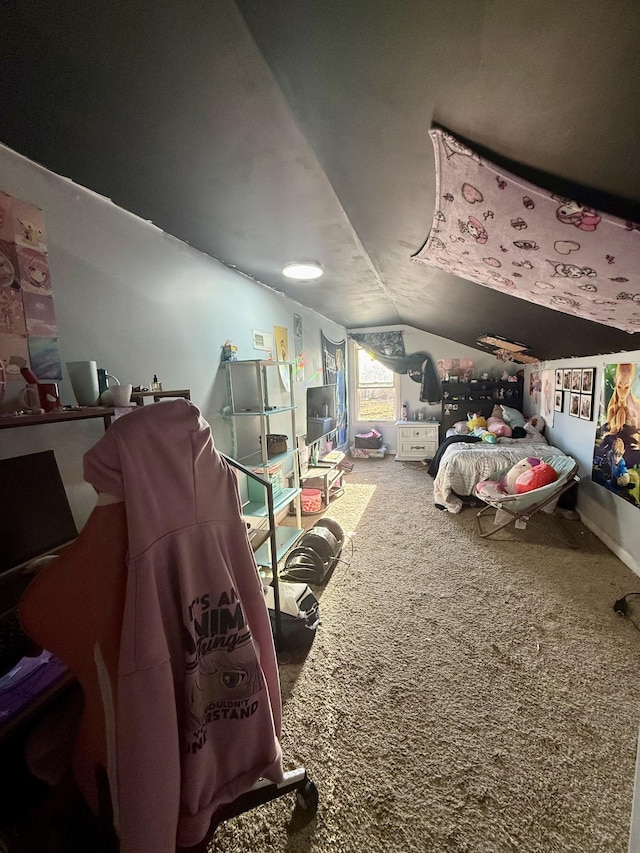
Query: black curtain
[(388, 349)]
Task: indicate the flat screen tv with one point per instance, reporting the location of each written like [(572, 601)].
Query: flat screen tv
[(322, 404)]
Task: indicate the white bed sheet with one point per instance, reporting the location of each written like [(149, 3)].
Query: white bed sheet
[(463, 465)]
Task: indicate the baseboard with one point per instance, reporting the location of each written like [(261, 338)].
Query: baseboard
[(611, 544)]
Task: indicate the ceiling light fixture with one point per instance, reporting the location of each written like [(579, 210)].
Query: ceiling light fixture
[(303, 270)]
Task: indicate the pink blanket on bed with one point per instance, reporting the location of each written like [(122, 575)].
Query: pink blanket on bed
[(503, 232)]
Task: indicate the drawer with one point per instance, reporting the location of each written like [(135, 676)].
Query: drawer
[(428, 432), (428, 448)]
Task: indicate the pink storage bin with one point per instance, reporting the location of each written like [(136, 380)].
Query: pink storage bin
[(311, 500)]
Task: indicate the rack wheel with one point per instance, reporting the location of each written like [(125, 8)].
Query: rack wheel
[(307, 799)]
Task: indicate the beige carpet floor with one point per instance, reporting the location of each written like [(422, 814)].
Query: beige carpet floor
[(461, 694)]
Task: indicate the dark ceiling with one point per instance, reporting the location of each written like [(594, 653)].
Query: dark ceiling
[(264, 131)]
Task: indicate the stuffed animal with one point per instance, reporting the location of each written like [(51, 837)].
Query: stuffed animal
[(535, 425), (508, 482), (536, 477), (498, 427), (490, 489), (478, 426)]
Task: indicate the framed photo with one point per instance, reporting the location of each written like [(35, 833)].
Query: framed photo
[(566, 381), (576, 380), (574, 404), (558, 398), (559, 379), (586, 406), (588, 376)]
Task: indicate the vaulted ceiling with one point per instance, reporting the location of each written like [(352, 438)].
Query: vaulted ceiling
[(262, 132)]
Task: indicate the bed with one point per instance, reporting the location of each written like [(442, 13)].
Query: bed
[(463, 464)]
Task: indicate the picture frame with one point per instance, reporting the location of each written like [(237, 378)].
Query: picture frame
[(558, 400), (566, 381), (586, 407), (574, 405), (576, 379), (588, 380), (559, 379)]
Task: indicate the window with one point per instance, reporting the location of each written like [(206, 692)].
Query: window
[(375, 389)]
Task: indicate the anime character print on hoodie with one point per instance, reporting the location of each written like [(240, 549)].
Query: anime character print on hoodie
[(197, 708)]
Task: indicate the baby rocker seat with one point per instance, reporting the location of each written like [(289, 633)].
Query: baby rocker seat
[(521, 509)]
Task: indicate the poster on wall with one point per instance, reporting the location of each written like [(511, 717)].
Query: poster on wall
[(28, 327), (297, 347), (616, 455), (333, 363), (281, 341), (547, 397)]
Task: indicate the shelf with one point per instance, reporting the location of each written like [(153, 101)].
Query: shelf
[(82, 413), (279, 502), (286, 537), (254, 460), (267, 413)]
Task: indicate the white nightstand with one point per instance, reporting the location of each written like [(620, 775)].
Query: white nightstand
[(416, 440)]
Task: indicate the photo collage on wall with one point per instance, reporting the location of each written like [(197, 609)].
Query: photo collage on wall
[(616, 455), (28, 328), (574, 391)]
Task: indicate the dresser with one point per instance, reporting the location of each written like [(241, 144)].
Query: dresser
[(416, 440)]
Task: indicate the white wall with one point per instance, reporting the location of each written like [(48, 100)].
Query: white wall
[(140, 302), (416, 340), (610, 517)]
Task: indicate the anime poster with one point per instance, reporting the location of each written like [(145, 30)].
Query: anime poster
[(616, 455), (334, 364), (28, 328)]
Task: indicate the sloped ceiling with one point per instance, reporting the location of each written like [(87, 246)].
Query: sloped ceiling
[(261, 132)]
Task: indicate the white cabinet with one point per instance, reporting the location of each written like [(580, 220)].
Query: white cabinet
[(416, 440)]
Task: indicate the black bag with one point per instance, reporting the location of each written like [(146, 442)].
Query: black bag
[(299, 614), (369, 440)]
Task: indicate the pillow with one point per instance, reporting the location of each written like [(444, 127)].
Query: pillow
[(461, 427), (496, 412), (512, 417)]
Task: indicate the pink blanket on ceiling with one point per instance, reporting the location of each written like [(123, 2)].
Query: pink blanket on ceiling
[(503, 232)]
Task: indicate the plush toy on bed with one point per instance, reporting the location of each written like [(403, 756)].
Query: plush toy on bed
[(535, 425), (498, 427), (478, 426)]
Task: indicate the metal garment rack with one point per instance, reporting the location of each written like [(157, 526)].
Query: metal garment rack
[(297, 780), (272, 544)]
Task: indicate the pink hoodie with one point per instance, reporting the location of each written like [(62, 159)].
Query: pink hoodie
[(197, 711)]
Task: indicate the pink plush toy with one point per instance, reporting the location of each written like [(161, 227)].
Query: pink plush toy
[(498, 427), (490, 489), (536, 477), (508, 482)]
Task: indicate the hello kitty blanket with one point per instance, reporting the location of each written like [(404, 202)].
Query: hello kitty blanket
[(501, 231)]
